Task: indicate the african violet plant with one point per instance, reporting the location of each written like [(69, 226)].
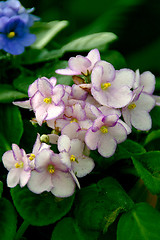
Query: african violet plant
[(84, 160)]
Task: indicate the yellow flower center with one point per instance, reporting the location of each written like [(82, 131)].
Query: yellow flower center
[(73, 120), (104, 129), (19, 164), (73, 159), (51, 168), (11, 35), (104, 86), (47, 100), (132, 106), (31, 157)]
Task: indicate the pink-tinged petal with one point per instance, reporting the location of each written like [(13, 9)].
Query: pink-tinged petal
[(45, 87), (65, 159), (126, 113), (78, 92), (92, 111), (108, 71), (79, 63), (92, 138), (145, 102), (110, 120), (42, 159), (57, 162), (23, 104), (98, 123), (119, 98), (141, 120), (124, 77), (53, 138), (17, 152), (64, 185), (67, 71), (108, 111), (86, 124), (93, 56), (41, 115), (137, 79), (64, 143), (57, 93), (84, 166), (37, 145), (8, 160), (24, 178), (96, 77), (157, 99), (75, 178), (101, 96), (53, 81), (51, 123), (54, 111), (77, 147), (40, 182), (61, 123), (118, 132), (33, 88), (78, 112), (127, 128), (13, 177), (70, 130), (92, 101), (37, 101), (106, 145), (147, 79)]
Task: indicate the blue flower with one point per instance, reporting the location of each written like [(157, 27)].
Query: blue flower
[(14, 35)]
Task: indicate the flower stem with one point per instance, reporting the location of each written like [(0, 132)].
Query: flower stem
[(21, 230)]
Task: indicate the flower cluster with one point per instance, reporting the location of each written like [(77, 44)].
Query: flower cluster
[(97, 112), (15, 21)]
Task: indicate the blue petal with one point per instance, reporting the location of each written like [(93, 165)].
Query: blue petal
[(13, 47), (27, 39)]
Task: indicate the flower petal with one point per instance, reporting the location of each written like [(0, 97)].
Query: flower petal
[(84, 166), (13, 177), (106, 145), (8, 159), (91, 139), (64, 143), (141, 120)]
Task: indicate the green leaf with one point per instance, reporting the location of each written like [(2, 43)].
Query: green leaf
[(155, 115), (8, 94), (46, 31), (127, 149), (1, 188), (40, 55), (152, 140), (40, 209), (8, 220), (68, 229), (148, 168), (11, 126), (141, 223), (96, 40), (99, 204)]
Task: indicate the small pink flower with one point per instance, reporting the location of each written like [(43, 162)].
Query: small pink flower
[(81, 65), (51, 175), (147, 80), (16, 162)]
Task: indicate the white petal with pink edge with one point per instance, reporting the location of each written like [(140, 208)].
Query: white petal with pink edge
[(106, 145), (84, 166)]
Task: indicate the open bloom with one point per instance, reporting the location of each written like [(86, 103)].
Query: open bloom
[(14, 35), (16, 162), (105, 133), (51, 175), (81, 65), (109, 87), (71, 154)]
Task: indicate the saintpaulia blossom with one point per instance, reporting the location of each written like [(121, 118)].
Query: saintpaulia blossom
[(14, 35), (105, 133), (147, 80), (51, 175), (13, 8), (80, 65), (111, 88), (16, 162), (71, 154), (136, 113)]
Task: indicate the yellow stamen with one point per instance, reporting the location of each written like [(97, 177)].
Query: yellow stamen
[(51, 168), (104, 129), (132, 106), (73, 120), (31, 157), (11, 35), (55, 131), (72, 158), (47, 100), (19, 165), (104, 86)]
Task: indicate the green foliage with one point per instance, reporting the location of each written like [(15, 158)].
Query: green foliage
[(148, 168), (152, 140), (40, 209), (100, 204), (141, 223), (1, 188), (11, 126), (8, 94), (8, 220)]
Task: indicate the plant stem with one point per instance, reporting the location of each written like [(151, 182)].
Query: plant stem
[(21, 230)]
